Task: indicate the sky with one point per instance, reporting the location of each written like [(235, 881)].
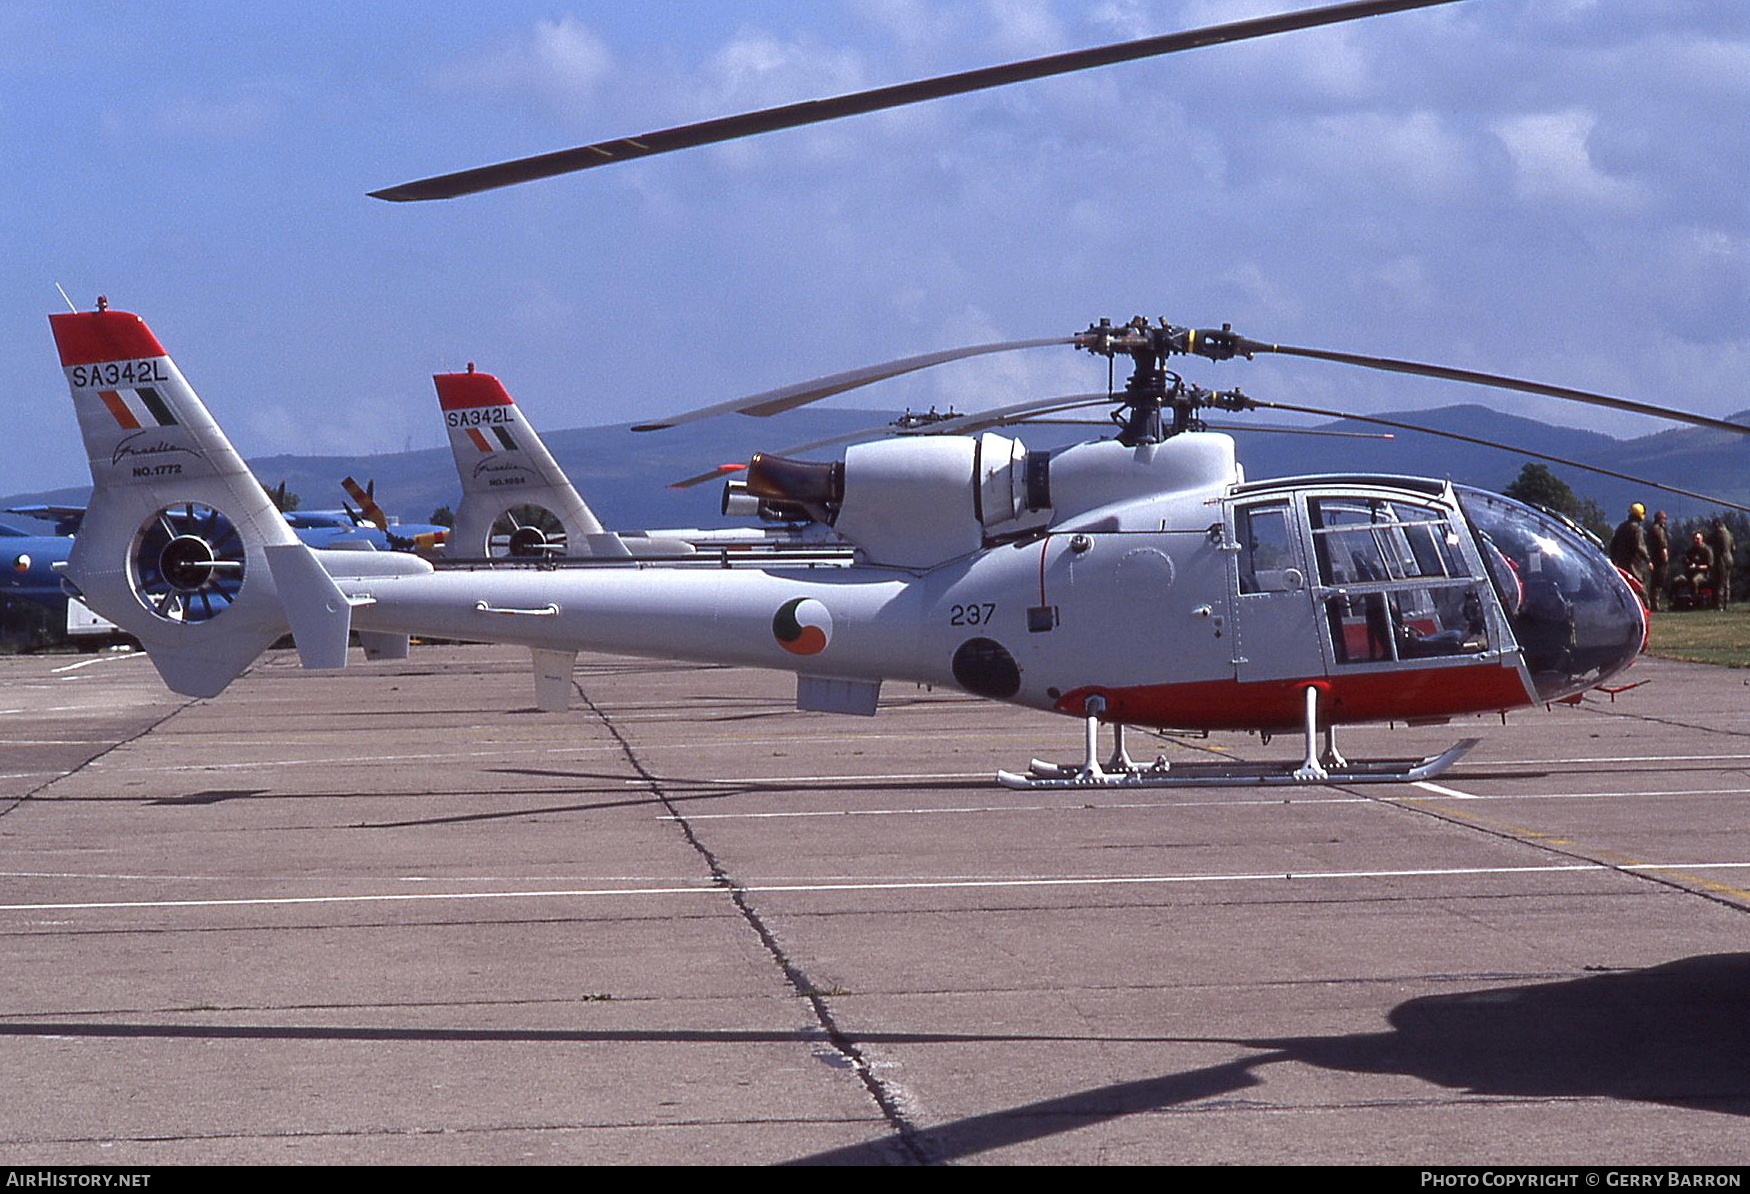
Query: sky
[(1552, 189)]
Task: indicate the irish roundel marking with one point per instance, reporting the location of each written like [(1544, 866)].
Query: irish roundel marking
[(802, 626)]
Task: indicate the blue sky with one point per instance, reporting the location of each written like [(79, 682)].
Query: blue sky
[(1555, 189)]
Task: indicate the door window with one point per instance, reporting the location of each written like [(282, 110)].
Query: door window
[(1269, 562), (1402, 589)]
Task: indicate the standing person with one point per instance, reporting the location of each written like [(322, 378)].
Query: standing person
[(1659, 551), (1628, 548), (1720, 539), (1698, 565)]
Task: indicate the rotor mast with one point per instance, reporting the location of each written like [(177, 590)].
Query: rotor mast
[(1151, 387)]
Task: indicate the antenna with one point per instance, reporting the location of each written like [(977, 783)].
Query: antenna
[(70, 306)]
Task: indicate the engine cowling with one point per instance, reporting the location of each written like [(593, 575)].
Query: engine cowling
[(913, 502), (923, 500)]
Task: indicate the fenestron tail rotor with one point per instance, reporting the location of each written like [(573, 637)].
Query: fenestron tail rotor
[(187, 563), (526, 533), (748, 124)]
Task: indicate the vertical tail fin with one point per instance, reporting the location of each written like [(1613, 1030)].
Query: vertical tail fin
[(173, 546), (516, 501)]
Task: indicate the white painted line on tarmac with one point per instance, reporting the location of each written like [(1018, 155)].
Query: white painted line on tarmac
[(885, 777), (961, 810), (1637, 794), (1440, 791), (506, 751), (93, 706), (1311, 794), (1613, 759), (83, 663), (381, 898), (867, 887)]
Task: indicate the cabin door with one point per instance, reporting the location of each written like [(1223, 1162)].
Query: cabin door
[(1277, 631)]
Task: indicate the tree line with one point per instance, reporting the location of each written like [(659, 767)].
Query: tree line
[(1536, 485)]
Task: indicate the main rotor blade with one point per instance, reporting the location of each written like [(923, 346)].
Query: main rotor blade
[(774, 402), (1489, 443), (949, 425), (1285, 429), (1446, 373), (728, 128), (1020, 412)]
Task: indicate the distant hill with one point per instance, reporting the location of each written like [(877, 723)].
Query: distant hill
[(625, 475), (1711, 462)]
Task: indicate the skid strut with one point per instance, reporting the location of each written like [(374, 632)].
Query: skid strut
[(1119, 767), (1315, 767)]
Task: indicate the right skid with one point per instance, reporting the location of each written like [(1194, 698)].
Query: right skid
[(1053, 777)]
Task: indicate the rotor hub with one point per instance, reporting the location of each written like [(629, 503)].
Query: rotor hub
[(1151, 388), (187, 563), (527, 541)]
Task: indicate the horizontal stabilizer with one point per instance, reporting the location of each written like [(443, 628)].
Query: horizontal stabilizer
[(606, 545)]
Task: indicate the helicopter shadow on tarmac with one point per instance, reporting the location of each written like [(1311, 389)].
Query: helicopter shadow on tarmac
[(1673, 1034)]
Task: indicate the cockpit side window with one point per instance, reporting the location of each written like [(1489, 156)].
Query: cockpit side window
[(1269, 562), (1403, 591)]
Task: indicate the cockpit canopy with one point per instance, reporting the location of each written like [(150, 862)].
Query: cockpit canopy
[(1576, 619)]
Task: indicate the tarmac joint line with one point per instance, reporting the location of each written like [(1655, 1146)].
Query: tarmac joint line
[(886, 1098)]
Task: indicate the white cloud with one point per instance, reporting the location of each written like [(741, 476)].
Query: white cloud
[(1551, 160), (1405, 282), (230, 118), (567, 57), (1700, 278), (1314, 65), (1126, 19), (1023, 28), (760, 68), (1406, 154), (1710, 63), (757, 70), (562, 63), (1264, 293)]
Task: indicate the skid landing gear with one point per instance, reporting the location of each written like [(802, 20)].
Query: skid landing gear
[(1119, 768), (1323, 763)]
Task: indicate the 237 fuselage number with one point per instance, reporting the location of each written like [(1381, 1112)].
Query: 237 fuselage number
[(977, 613)]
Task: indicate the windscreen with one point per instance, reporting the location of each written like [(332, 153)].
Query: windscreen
[(1575, 617)]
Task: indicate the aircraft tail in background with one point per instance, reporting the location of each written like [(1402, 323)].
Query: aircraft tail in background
[(516, 501)]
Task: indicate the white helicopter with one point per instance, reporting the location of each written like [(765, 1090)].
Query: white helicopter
[(1131, 580)]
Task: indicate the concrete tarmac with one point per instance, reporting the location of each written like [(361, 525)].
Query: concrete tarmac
[(394, 914)]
